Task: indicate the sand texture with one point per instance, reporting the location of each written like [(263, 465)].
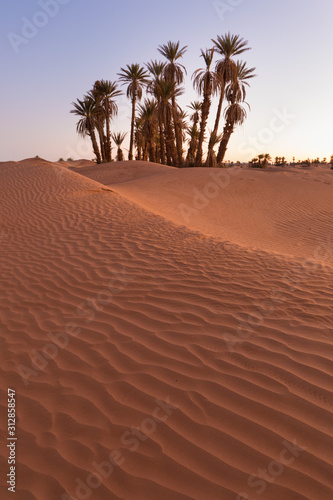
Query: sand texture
[(183, 341)]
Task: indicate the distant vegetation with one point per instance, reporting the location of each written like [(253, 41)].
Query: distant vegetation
[(161, 131), (263, 160), (260, 161)]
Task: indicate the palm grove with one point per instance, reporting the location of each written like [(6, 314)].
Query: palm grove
[(159, 129)]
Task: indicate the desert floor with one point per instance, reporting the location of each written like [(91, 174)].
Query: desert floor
[(168, 332)]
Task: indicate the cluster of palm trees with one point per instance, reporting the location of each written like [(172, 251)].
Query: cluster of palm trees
[(263, 160), (160, 131), (96, 110), (280, 161), (260, 161)]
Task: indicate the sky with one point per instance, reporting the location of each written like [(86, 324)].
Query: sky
[(52, 51)]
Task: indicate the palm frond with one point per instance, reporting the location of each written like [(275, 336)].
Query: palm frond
[(118, 138)]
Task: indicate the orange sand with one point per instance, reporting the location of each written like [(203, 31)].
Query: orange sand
[(226, 314)]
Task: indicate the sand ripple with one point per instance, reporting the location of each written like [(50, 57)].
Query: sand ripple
[(238, 341)]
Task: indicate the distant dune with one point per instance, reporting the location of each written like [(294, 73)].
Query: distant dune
[(168, 330), (287, 211), (45, 163)]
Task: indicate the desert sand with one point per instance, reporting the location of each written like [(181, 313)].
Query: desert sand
[(168, 332)]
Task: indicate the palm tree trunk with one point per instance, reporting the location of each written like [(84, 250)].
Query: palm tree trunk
[(145, 151), (218, 114), (157, 154), (172, 158), (165, 134), (204, 117), (195, 139), (101, 140), (162, 137), (228, 130), (211, 158), (130, 153), (120, 156), (179, 146), (162, 142), (95, 145), (179, 160), (151, 147), (210, 154), (192, 150), (139, 155), (138, 144), (108, 138)]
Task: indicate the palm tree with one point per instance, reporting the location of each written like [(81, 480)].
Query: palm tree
[(174, 72), (100, 123), (149, 125), (88, 111), (234, 114), (237, 87), (235, 92), (205, 82), (267, 159), (193, 131), (156, 69), (182, 118), (227, 46), (260, 157), (211, 155), (135, 77), (253, 162), (139, 139), (195, 107), (118, 139), (105, 92), (167, 92), (261, 161)]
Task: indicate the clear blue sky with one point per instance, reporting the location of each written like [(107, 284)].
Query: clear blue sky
[(86, 40)]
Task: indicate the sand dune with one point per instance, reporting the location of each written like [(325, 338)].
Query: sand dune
[(45, 163), (283, 211), (187, 366)]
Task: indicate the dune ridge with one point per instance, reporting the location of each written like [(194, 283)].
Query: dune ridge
[(237, 340)]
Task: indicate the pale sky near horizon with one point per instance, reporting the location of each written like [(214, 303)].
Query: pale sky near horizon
[(80, 41)]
